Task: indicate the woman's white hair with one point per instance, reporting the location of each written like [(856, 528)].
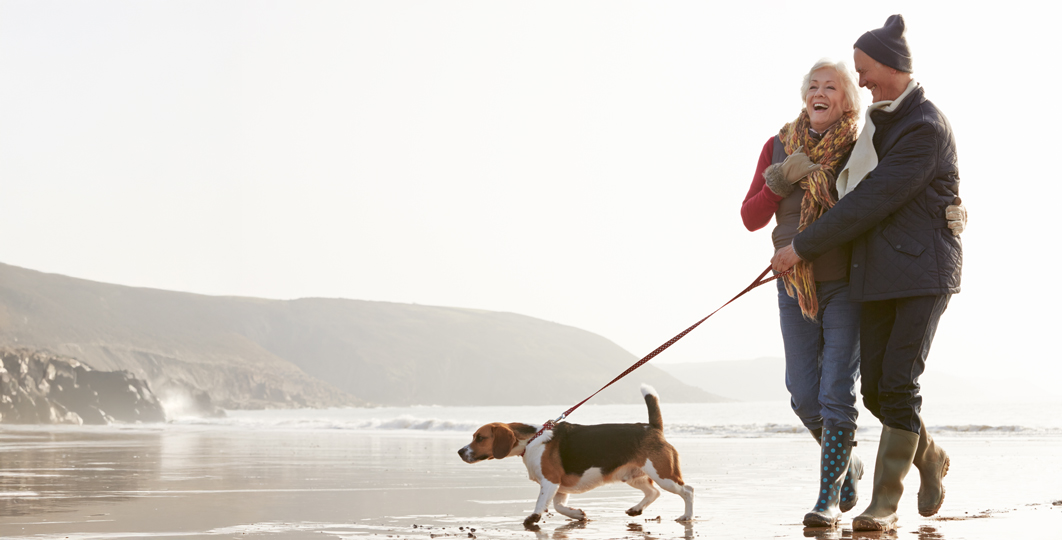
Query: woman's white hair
[(847, 83)]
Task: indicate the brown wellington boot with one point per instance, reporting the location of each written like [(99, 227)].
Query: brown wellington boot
[(895, 454), (932, 463)]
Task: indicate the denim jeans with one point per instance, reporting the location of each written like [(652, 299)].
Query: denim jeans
[(822, 356), (896, 338)]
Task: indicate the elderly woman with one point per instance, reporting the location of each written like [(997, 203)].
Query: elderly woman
[(794, 183)]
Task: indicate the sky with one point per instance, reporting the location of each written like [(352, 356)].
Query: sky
[(579, 162)]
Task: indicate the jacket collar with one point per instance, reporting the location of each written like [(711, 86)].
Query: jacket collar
[(914, 96)]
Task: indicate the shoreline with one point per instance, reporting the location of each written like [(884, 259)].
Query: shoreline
[(210, 483)]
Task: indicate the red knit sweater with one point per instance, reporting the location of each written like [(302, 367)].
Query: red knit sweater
[(761, 203)]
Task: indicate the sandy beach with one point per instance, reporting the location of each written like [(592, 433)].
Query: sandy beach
[(174, 481)]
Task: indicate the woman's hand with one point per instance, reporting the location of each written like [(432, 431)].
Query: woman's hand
[(798, 165)]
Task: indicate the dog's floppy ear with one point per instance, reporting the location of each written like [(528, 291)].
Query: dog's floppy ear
[(504, 441)]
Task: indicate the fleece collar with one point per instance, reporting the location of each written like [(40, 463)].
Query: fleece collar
[(864, 158)]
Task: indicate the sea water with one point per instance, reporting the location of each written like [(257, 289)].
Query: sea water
[(733, 419), (395, 472)]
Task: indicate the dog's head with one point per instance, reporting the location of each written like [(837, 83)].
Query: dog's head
[(495, 441)]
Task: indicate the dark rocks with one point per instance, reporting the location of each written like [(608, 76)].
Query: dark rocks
[(42, 388)]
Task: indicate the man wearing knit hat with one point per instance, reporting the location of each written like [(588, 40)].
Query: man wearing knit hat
[(905, 266)]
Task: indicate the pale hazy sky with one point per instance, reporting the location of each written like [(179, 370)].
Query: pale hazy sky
[(580, 162)]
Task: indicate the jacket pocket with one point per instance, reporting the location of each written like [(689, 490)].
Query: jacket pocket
[(902, 242)]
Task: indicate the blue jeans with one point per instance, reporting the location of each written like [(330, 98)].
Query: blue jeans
[(822, 356)]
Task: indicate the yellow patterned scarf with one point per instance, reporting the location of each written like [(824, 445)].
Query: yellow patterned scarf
[(827, 152)]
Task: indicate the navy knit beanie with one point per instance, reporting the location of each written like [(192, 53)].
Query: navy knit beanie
[(887, 44)]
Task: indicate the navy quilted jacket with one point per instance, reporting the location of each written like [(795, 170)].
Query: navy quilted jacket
[(901, 245)]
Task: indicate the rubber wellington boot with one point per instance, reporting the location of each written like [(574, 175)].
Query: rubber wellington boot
[(895, 454), (850, 487), (932, 463), (833, 468)]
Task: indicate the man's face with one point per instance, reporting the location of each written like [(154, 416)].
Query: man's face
[(874, 76)]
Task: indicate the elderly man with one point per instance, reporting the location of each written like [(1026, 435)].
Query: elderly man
[(905, 264)]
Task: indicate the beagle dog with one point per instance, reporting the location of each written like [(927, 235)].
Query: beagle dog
[(572, 458)]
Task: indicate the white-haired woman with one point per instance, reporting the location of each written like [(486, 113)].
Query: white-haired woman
[(794, 183)]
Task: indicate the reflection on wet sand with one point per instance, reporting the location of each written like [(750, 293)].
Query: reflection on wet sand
[(647, 534), (196, 482), (44, 472), (925, 532), (578, 529), (827, 533), (564, 531), (845, 533)]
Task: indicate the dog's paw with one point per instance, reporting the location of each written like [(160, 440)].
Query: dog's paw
[(684, 518), (632, 512), (572, 513), (531, 520)]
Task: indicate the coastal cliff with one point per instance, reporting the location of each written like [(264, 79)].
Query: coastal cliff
[(252, 353)]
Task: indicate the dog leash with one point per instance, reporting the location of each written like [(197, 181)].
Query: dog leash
[(760, 280)]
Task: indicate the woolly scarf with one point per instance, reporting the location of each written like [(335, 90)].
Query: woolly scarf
[(828, 152)]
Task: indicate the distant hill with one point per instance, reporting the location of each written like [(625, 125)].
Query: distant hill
[(316, 352), (761, 379)]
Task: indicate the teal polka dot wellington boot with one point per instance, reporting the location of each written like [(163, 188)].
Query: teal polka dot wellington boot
[(850, 487), (834, 466)]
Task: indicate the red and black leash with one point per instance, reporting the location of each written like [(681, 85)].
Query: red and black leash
[(760, 280)]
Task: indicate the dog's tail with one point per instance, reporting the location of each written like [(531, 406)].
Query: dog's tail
[(652, 402)]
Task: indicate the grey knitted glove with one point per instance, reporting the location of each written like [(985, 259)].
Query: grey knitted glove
[(776, 180)]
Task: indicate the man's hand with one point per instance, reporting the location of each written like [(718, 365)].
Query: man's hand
[(784, 259), (956, 216), (798, 165)]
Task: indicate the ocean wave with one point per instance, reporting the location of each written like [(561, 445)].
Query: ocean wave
[(973, 428), (415, 423), (19, 494), (400, 423), (429, 424), (423, 424), (734, 430)]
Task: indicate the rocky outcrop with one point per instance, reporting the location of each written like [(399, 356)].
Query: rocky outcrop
[(41, 388)]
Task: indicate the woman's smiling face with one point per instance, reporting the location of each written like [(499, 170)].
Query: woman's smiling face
[(825, 99)]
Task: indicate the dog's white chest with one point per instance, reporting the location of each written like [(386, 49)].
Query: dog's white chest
[(533, 456)]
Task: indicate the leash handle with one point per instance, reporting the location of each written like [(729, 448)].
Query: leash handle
[(760, 280)]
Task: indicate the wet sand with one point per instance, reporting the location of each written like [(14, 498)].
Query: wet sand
[(202, 482)]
